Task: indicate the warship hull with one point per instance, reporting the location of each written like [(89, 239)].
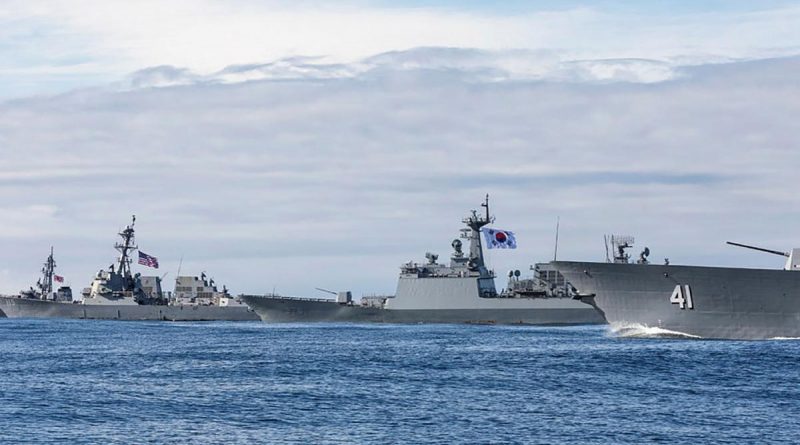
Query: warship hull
[(273, 310), (13, 307), (429, 300), (706, 302)]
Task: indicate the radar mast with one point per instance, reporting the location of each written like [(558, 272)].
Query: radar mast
[(619, 243), (127, 246), (474, 224), (46, 285)]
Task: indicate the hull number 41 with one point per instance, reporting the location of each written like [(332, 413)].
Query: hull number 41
[(682, 296)]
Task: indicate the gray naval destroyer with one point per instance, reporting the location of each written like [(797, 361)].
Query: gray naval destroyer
[(697, 301), (118, 294), (461, 292)]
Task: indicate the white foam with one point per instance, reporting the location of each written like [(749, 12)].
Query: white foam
[(784, 338), (636, 330)]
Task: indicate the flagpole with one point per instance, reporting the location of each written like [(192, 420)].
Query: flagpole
[(179, 269), (555, 253)]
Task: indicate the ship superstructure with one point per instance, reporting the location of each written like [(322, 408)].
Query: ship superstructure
[(203, 291), (118, 285), (44, 285)]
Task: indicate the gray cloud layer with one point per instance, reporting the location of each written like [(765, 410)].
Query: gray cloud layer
[(466, 63), (333, 175)]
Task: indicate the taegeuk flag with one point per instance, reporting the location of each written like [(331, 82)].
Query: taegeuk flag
[(499, 239)]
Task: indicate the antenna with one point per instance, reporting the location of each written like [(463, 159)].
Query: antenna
[(486, 204), (555, 253), (618, 244), (605, 240), (325, 290), (180, 263)]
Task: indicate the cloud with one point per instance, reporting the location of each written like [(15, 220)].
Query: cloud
[(334, 175), (162, 76), (469, 64), (53, 46)]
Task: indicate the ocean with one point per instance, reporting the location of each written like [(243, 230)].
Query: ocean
[(107, 382)]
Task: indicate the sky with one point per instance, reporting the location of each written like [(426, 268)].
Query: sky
[(291, 145)]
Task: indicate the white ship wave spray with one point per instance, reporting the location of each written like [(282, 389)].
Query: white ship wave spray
[(637, 330)]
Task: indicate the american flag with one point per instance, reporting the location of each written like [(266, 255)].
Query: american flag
[(147, 260), (58, 278)]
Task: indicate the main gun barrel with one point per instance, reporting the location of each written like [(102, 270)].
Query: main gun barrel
[(774, 252)]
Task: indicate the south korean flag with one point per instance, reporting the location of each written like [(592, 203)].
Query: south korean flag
[(499, 239)]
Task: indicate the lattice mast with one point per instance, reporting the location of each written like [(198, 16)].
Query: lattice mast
[(45, 285), (472, 232), (125, 248)]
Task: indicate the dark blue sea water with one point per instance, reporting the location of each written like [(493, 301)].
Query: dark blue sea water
[(108, 382)]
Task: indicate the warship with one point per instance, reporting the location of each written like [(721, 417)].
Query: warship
[(119, 294), (462, 292), (693, 301)]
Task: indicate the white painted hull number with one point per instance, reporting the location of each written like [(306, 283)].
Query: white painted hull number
[(682, 296)]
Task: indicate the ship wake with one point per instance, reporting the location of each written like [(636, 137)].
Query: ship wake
[(636, 330)]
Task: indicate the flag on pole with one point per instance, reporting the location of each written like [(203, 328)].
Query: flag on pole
[(499, 239), (147, 260), (58, 278)]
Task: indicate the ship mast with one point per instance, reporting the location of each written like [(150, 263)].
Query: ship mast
[(127, 245), (46, 285), (474, 223)]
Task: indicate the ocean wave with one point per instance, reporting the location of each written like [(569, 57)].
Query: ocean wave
[(636, 330)]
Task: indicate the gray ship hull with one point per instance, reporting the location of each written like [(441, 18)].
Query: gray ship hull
[(543, 312), (13, 307), (726, 303)]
